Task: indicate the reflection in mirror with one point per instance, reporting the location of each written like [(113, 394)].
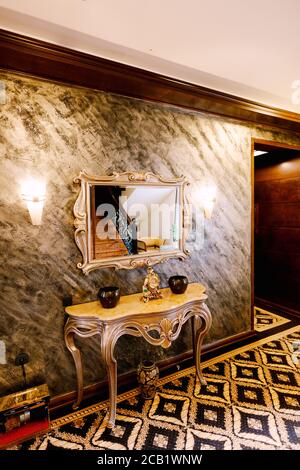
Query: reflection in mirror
[(129, 220), (132, 220)]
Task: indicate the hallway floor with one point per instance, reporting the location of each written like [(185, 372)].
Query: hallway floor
[(264, 320), (251, 401)]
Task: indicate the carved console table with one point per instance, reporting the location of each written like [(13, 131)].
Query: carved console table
[(133, 317)]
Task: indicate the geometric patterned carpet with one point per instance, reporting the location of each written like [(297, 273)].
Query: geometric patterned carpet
[(264, 320), (251, 401)]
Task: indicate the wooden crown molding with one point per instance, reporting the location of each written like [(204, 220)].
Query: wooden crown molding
[(31, 56)]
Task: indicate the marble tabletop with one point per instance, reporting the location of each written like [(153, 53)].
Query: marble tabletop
[(134, 305)]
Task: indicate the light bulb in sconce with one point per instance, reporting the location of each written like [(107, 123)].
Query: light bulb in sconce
[(206, 197), (34, 194)]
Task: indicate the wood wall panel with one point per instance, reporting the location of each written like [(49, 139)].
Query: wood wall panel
[(278, 214), (285, 190), (277, 232), (287, 263), (280, 170), (277, 239)]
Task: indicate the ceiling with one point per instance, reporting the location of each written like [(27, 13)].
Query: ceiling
[(246, 48)]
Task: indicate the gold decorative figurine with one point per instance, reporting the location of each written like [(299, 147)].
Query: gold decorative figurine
[(151, 286)]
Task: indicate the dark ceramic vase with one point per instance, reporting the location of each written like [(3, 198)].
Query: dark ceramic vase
[(109, 296), (178, 284), (147, 377)]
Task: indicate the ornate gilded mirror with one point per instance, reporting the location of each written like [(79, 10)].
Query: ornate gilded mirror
[(129, 219)]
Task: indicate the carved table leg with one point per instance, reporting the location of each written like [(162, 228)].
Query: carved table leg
[(196, 325), (69, 339), (199, 331), (111, 368)]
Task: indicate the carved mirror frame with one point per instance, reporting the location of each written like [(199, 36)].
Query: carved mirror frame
[(83, 226)]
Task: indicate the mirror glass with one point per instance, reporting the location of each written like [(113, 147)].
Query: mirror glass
[(133, 220)]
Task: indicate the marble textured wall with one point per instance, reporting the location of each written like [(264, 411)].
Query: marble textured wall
[(54, 131)]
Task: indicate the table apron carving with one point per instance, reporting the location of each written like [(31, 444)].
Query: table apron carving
[(166, 324)]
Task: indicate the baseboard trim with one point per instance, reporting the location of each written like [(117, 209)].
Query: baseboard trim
[(166, 366), (230, 341), (268, 304)]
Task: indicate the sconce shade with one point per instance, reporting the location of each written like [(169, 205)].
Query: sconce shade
[(208, 207), (33, 193), (206, 197), (35, 209)]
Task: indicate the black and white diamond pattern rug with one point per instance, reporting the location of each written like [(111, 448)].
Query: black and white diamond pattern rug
[(251, 401)]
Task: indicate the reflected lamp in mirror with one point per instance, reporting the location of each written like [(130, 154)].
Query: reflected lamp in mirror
[(206, 197), (33, 192), (129, 219)]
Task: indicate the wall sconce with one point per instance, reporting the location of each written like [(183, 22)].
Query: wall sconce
[(34, 194), (206, 196)]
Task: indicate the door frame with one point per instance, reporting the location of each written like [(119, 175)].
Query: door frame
[(270, 143)]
